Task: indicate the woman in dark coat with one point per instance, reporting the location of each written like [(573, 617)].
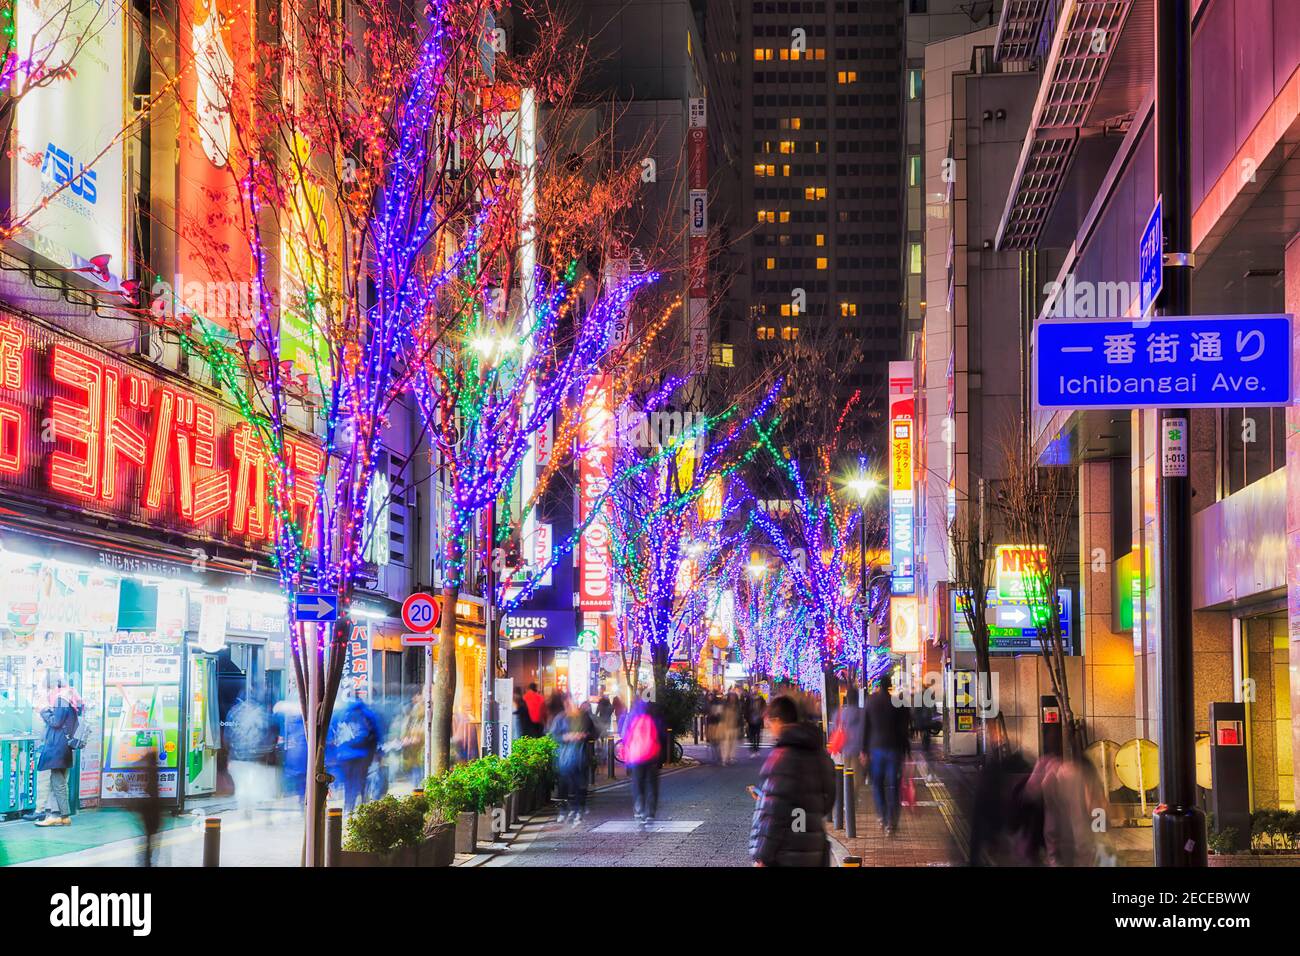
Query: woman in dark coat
[(60, 718), (796, 794)]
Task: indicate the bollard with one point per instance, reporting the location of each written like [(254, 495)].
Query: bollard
[(852, 861), (212, 841), (334, 836), (590, 747), (668, 735), (695, 729), (850, 803), (837, 813), (612, 751)]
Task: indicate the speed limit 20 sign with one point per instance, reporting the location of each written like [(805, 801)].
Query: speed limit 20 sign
[(421, 613)]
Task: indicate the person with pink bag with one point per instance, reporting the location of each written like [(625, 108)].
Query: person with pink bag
[(641, 750)]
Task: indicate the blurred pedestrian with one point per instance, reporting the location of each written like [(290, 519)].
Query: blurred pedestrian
[(757, 711), (728, 729), (250, 750), (293, 743), (412, 739), (63, 708), (149, 807), (620, 711), (536, 711), (642, 750), (993, 822), (604, 713), (354, 737), (572, 729), (795, 794), (885, 744)]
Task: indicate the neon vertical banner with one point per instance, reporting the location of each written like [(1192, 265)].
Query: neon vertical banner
[(697, 253), (595, 453), (69, 172), (901, 485), (216, 58)]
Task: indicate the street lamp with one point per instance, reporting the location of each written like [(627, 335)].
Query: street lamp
[(862, 485)]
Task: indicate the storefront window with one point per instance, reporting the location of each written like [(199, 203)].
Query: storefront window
[(1253, 444)]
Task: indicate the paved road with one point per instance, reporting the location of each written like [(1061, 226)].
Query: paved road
[(704, 816)]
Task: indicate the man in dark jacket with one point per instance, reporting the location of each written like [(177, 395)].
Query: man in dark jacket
[(796, 795), (885, 731)]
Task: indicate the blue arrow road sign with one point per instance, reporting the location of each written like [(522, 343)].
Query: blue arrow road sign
[(320, 608), (1151, 260), (1203, 361)]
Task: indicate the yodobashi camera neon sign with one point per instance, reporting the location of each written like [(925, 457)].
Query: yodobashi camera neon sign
[(79, 424)]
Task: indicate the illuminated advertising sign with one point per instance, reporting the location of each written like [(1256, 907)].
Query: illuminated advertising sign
[(356, 667), (904, 628), (1012, 625), (1013, 562), (214, 264), (68, 168), (595, 448), (901, 492), (80, 426)]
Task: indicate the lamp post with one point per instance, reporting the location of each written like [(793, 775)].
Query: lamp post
[(862, 485)]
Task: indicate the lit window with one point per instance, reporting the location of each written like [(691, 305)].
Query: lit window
[(914, 259), (821, 54), (796, 123), (785, 169), (914, 170), (847, 76), (848, 309), (786, 55), (765, 332), (789, 332), (821, 239), (724, 355), (821, 262), (785, 310), (787, 146), (785, 215), (770, 263), (814, 192), (913, 84)]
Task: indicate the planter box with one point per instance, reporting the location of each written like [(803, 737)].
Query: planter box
[(467, 832), (512, 808), (439, 846), (494, 814), (437, 849)]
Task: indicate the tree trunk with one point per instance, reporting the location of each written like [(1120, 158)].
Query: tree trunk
[(444, 687), (659, 665)]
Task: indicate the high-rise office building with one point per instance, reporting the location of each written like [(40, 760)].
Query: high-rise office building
[(822, 181)]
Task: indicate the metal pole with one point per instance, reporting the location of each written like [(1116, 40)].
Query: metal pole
[(334, 837), (837, 812), (850, 803), (311, 651), (862, 554), (212, 841), (428, 712), (1178, 824)]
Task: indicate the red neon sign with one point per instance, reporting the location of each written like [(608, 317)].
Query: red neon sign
[(595, 553), (78, 423)]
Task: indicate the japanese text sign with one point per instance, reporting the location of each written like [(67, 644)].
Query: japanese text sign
[(1193, 361)]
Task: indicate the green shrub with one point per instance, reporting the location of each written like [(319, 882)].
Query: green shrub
[(383, 825), (448, 793), (531, 760), (469, 787), (1224, 841)]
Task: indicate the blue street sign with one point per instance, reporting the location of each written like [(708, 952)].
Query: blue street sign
[(318, 608), (1151, 264), (1202, 361)]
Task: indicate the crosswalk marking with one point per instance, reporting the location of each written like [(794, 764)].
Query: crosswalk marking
[(659, 826)]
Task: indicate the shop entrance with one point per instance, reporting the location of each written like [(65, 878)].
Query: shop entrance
[(1264, 686)]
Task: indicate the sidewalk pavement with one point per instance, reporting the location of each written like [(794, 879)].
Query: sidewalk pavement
[(931, 832)]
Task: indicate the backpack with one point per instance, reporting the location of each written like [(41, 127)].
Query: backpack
[(80, 733), (641, 742)]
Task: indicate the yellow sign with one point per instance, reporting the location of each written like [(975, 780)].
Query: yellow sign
[(904, 632), (901, 454)]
